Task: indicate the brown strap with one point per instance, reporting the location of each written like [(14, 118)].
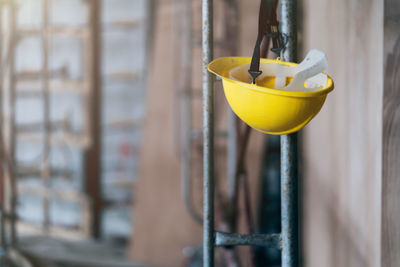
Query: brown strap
[(267, 25)]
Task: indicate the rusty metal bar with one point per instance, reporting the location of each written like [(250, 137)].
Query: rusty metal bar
[(289, 182), (208, 135), (289, 203), (233, 239)]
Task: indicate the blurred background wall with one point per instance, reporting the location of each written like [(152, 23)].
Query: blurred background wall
[(74, 80), (342, 147), (122, 55), (163, 227)]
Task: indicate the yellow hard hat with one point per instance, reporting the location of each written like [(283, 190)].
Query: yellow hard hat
[(260, 105)]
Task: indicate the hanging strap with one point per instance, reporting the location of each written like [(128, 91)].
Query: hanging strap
[(267, 25)]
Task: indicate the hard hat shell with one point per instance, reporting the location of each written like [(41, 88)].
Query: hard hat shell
[(264, 108)]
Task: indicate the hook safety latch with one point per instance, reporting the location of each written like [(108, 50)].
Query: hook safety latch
[(279, 40)]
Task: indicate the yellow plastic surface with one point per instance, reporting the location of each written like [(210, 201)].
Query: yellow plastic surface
[(264, 108)]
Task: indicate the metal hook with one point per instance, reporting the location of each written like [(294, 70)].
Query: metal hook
[(279, 40)]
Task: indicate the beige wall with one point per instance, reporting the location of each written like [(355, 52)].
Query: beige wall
[(161, 226), (342, 146)]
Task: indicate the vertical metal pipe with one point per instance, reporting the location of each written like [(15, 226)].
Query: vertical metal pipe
[(289, 203), (231, 152), (289, 183), (208, 135), (289, 27)]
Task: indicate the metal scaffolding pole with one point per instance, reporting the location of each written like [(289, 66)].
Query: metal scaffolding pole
[(288, 239), (208, 135), (289, 183)]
